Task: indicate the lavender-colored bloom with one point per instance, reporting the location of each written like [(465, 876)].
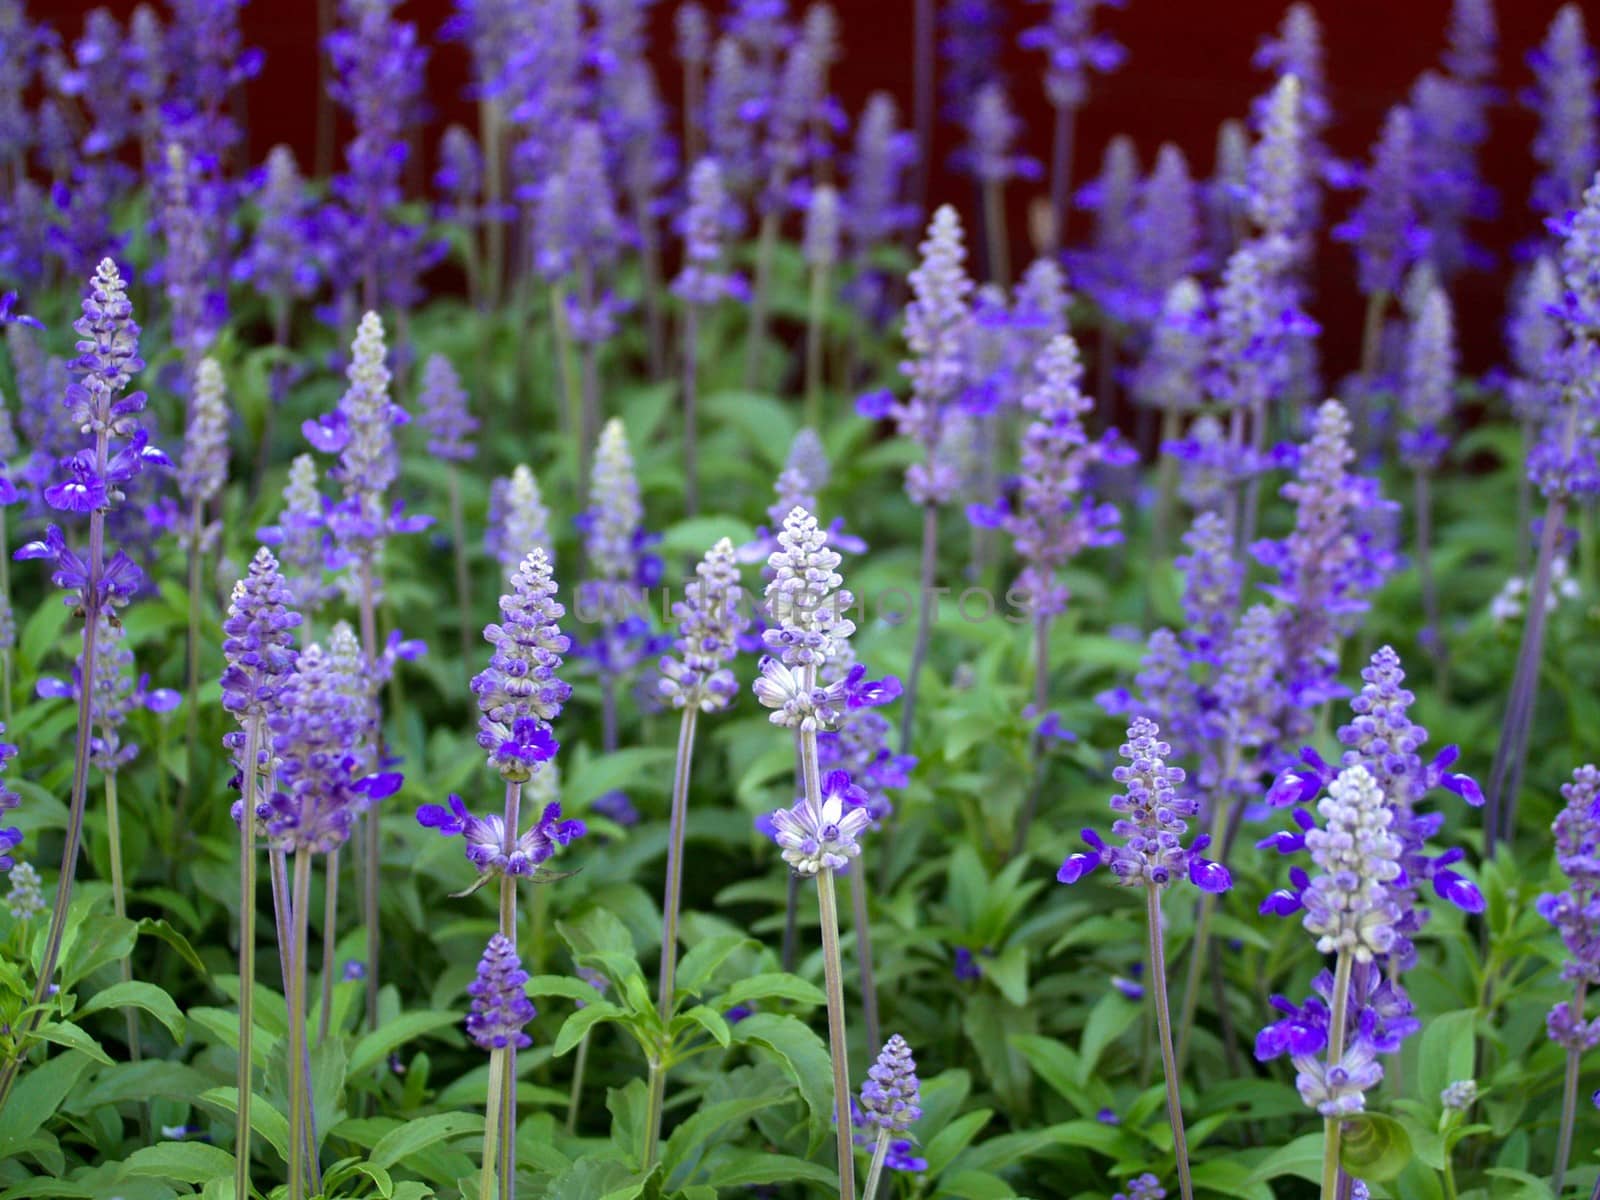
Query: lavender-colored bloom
[(1567, 145), (578, 230), (446, 417), (794, 106), (971, 46), (1166, 229), (1104, 270), (1384, 227), (1534, 334), (1297, 50), (1450, 127), (1575, 912), (1348, 905), (203, 467), (733, 91), (1227, 191), (1143, 1187), (1170, 377), (459, 178), (518, 520), (1207, 464), (820, 246), (208, 61), (1072, 49), (1473, 36), (937, 324), (1275, 179), (500, 1004), (1428, 385), (825, 838), (25, 900), (361, 432), (891, 1096), (875, 210), (257, 644), (694, 35), (301, 534), (119, 579), (519, 694), (490, 29), (1565, 460), (805, 595), (485, 837), (1327, 567), (322, 783), (1052, 518), (993, 129), (710, 621), (10, 835), (279, 263), (615, 511), (1152, 821), (114, 695), (703, 279), (198, 310)]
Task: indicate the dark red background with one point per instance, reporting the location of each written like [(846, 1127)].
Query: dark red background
[(1188, 69)]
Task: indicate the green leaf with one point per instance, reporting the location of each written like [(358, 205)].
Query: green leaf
[(700, 965), (611, 772), (1374, 1147), (182, 1162), (954, 1138), (579, 1023), (1301, 1158), (163, 930), (1446, 1053), (1058, 1065), (1229, 1177), (131, 993), (974, 1185), (266, 1122), (561, 985), (376, 1046), (706, 1018), (65, 1033), (1108, 1020), (750, 1168), (1008, 971), (420, 1133), (774, 985), (36, 1097), (802, 1053)]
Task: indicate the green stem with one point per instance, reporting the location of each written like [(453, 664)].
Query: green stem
[(756, 334), (575, 1097), (508, 927), (570, 383), (1569, 1092), (119, 905), (299, 1084), (330, 942), (489, 124), (994, 225), (491, 1125), (833, 978), (1041, 696), (191, 728), (373, 843), (656, 1091), (247, 958), (458, 535), (880, 1151), (815, 342), (1336, 1023), (1158, 982), (691, 429)]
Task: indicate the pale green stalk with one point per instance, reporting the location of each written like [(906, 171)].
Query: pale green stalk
[(371, 821), (247, 958), (508, 927), (1332, 1126), (1158, 982), (491, 1125), (691, 390), (880, 1151), (330, 941), (458, 535), (1569, 1099), (299, 1083), (816, 342), (756, 334)]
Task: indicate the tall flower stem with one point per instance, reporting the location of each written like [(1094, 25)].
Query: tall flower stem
[(1158, 983), (1224, 824), (299, 1081), (816, 341), (919, 649), (650, 280), (191, 729), (589, 413), (1569, 1099), (1166, 485), (80, 792), (330, 941), (490, 124), (671, 904), (756, 334), (119, 905), (791, 922), (922, 96), (279, 871), (880, 1151), (1423, 494), (1336, 1023), (1041, 698), (373, 843), (832, 968), (580, 1065), (869, 984), (834, 983), (571, 385), (691, 391), (458, 537), (1061, 147), (491, 1125), (508, 926), (247, 957), (1371, 343), (1506, 774), (994, 226)]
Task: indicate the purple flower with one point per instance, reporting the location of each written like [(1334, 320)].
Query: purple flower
[(9, 315), (1152, 821), (486, 842), (10, 835), (198, 309), (120, 579), (519, 693), (114, 695), (500, 1004), (1427, 391), (822, 838), (518, 520), (710, 620), (875, 209), (1275, 176), (1575, 912), (993, 129), (1384, 227), (1567, 145), (317, 734), (891, 1096), (1072, 49), (301, 535), (617, 808), (1565, 460), (1143, 1187), (257, 643), (279, 263), (703, 279), (203, 467), (446, 417)]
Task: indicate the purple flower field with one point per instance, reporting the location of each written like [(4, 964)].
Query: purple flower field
[(658, 657)]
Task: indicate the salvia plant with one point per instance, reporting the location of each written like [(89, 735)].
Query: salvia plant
[(462, 557)]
